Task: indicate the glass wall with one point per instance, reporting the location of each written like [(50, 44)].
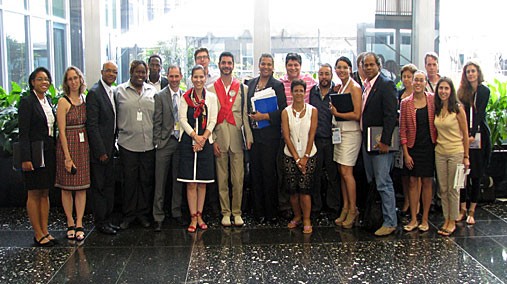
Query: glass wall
[(16, 48)]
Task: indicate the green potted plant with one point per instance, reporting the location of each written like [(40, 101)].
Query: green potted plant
[(496, 112)]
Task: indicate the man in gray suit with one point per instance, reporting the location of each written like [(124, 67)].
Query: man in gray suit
[(166, 131), (228, 146)]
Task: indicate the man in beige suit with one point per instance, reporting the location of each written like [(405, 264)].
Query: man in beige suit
[(231, 133)]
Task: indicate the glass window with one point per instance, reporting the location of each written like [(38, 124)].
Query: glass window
[(39, 7), (59, 8), (59, 52), (16, 48), (39, 42), (18, 5)]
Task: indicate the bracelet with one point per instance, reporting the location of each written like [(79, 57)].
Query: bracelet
[(307, 155), (466, 157), (297, 161)]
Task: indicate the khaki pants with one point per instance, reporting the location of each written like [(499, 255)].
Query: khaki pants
[(446, 169), (237, 175)]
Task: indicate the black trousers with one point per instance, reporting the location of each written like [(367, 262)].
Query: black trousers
[(102, 190), (138, 183), (325, 149), (264, 179)]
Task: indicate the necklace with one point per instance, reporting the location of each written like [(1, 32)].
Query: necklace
[(298, 113)]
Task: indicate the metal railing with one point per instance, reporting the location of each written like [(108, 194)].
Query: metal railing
[(394, 7)]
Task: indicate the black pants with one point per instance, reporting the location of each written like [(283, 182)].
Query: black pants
[(325, 149), (264, 178), (138, 183), (102, 190)]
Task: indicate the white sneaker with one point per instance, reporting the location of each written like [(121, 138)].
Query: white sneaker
[(238, 221), (226, 221)]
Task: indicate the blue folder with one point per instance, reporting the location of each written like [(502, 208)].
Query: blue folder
[(265, 105)]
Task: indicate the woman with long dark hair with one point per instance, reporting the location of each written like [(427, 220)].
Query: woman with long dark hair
[(475, 97), (451, 149)]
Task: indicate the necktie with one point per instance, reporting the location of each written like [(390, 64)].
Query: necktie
[(175, 113), (111, 99)]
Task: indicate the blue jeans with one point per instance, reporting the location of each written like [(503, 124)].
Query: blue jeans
[(379, 167)]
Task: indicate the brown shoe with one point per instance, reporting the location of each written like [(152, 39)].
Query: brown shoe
[(384, 231), (342, 217)]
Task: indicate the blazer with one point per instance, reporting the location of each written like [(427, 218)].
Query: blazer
[(163, 82), (408, 123), (33, 125), (380, 108), (163, 117), (100, 122), (267, 134), (230, 136), (211, 102)]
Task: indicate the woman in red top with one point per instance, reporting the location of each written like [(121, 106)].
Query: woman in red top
[(418, 137)]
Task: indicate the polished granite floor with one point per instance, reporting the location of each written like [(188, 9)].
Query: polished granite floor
[(257, 253)]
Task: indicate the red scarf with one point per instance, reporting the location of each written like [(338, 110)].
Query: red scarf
[(198, 105), (226, 100)]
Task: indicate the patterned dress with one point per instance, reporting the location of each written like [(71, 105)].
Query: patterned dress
[(77, 141)]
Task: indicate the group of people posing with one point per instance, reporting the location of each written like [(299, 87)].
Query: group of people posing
[(199, 137)]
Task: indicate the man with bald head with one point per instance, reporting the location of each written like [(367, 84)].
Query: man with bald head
[(101, 125)]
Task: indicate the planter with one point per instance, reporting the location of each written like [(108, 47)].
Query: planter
[(497, 170)]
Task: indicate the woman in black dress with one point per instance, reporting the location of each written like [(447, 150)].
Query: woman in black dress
[(418, 137), (198, 115), (37, 124), (475, 97)]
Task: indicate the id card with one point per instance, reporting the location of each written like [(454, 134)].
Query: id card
[(139, 116), (177, 126), (81, 137), (337, 135)]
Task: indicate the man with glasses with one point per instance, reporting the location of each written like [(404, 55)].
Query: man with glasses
[(154, 77), (101, 125), (201, 57)]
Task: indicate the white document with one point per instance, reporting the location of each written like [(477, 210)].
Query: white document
[(460, 176)]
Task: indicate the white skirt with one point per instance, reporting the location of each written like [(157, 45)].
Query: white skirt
[(346, 152)]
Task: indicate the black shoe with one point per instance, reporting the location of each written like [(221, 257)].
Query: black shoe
[(107, 230), (39, 244), (116, 227), (158, 226), (124, 225), (145, 223), (180, 221)]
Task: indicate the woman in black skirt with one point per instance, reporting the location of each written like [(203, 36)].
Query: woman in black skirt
[(475, 97), (198, 115), (418, 136), (36, 128)]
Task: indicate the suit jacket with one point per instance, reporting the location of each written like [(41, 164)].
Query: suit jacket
[(33, 125), (100, 121), (163, 82), (163, 117), (273, 132), (357, 78), (230, 136), (380, 108)]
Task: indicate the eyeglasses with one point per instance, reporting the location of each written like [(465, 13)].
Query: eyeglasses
[(111, 71), (202, 57)]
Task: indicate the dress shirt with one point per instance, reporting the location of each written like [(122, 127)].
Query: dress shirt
[(157, 85), (135, 117), (322, 105), (310, 82), (48, 111)]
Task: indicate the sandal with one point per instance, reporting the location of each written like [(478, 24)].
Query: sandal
[(470, 218), (446, 233), (462, 214), (80, 237), (39, 242), (293, 224), (307, 229), (192, 228), (71, 232), (203, 225)]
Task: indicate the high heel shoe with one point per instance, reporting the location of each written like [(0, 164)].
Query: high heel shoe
[(202, 225), (343, 216), (192, 228), (470, 218), (349, 222), (462, 214)]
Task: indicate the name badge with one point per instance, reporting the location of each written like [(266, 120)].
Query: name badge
[(177, 126), (337, 135), (139, 116), (81, 137)]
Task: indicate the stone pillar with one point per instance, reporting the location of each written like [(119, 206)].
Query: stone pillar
[(261, 32), (423, 30)]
